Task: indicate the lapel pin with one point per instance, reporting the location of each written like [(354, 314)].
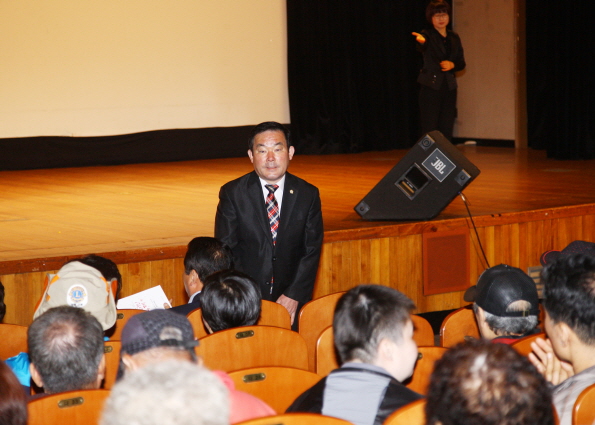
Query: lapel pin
[(291, 191)]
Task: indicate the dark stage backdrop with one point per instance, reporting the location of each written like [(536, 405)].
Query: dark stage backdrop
[(150, 146), (560, 78), (352, 69)]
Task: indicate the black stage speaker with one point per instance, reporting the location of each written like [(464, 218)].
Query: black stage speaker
[(422, 184)]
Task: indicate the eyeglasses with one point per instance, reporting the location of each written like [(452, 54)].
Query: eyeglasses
[(440, 15)]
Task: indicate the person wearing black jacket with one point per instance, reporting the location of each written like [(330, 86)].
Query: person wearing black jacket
[(442, 55), (373, 335)]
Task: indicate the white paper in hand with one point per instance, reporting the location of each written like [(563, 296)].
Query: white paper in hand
[(149, 299)]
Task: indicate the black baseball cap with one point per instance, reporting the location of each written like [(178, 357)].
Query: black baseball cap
[(574, 247), (500, 286), (156, 328)]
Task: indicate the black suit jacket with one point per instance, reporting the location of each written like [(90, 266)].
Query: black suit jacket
[(186, 309), (434, 52), (241, 222)]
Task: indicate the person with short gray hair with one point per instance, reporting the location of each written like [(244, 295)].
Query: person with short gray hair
[(158, 336), (505, 303), (66, 350), (168, 393)]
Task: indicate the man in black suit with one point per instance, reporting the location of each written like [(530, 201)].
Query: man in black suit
[(275, 232), (204, 257)]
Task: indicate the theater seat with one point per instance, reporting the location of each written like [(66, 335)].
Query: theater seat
[(583, 412), (277, 386), (411, 414), (296, 419), (458, 326), (72, 407), (13, 340), (253, 346)]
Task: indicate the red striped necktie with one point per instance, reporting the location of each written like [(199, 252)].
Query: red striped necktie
[(272, 210)]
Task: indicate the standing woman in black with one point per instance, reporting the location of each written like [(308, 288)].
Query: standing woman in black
[(443, 56)]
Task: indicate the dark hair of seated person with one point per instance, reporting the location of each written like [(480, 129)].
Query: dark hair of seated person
[(13, 401), (481, 383), (230, 299)]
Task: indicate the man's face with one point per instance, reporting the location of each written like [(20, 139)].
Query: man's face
[(270, 155)]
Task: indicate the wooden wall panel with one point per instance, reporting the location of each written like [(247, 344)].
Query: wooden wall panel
[(22, 291), (393, 260), (396, 261)]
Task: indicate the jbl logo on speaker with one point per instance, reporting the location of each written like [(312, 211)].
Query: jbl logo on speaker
[(439, 165)]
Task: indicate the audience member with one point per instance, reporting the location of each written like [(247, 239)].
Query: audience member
[(66, 350), (168, 393), (204, 257), (2, 305), (505, 303), (160, 335), (478, 383), (575, 247), (108, 269), (373, 335), (567, 358), (230, 299), (79, 285), (13, 401)]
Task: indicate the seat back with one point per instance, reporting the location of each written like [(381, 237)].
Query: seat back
[(326, 357), (523, 345), (121, 318), (423, 333), (276, 386), (583, 412), (424, 366), (314, 317), (195, 319), (457, 326), (13, 340), (271, 314), (111, 349), (72, 407), (411, 414), (253, 346), (296, 419)]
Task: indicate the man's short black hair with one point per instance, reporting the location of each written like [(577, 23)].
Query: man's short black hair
[(365, 315), (268, 126), (569, 294), (206, 255), (481, 383), (230, 299), (66, 347)]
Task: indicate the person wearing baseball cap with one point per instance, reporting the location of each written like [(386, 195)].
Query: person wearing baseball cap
[(574, 247), (505, 303), (82, 286), (161, 335)]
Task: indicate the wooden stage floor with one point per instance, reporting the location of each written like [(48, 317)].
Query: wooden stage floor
[(147, 212)]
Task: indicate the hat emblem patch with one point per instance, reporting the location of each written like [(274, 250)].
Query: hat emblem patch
[(77, 296)]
